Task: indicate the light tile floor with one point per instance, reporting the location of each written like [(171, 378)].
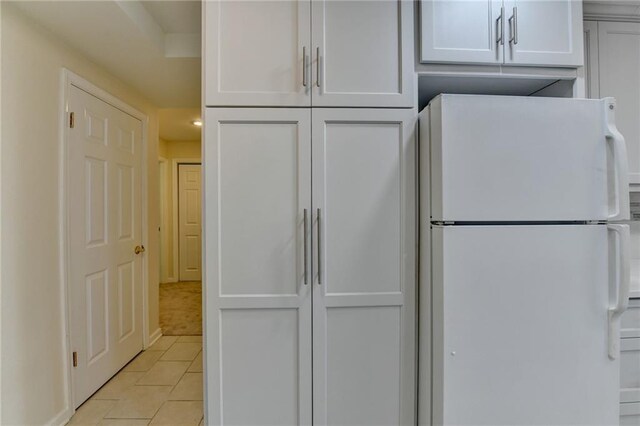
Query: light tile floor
[(161, 386)]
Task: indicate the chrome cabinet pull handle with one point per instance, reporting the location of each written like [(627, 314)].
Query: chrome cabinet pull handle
[(305, 248), (500, 28), (304, 66), (318, 66), (319, 249), (513, 26)]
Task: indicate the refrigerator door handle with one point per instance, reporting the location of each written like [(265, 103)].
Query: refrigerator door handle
[(623, 284), (612, 134)]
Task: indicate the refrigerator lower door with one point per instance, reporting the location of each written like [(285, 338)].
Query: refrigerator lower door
[(519, 326)]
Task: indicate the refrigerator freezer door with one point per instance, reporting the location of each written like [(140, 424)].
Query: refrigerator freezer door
[(520, 325), (503, 158)]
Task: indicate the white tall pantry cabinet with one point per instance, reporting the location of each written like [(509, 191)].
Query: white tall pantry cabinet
[(309, 161)]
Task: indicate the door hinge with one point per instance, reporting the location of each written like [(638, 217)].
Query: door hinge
[(75, 358), (72, 120)]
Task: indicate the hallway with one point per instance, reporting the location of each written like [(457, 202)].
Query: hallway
[(162, 385), (181, 308)]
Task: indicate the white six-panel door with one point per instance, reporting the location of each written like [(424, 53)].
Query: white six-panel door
[(362, 53), (104, 155), (364, 267), (258, 298), (461, 31), (190, 222), (254, 52)]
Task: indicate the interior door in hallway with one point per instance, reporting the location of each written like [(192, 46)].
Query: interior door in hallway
[(190, 223), (104, 218)]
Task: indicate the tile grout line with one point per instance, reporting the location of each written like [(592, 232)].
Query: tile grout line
[(181, 377), (143, 374)]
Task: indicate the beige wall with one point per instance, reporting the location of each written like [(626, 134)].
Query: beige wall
[(33, 353), (170, 150)]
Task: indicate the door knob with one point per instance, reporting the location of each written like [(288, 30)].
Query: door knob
[(139, 249)]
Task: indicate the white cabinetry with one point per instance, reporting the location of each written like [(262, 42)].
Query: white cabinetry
[(264, 53), (253, 52), (591, 75), (363, 300), (362, 53), (618, 52), (547, 32), (612, 66), (630, 365), (630, 414), (258, 186), (461, 31), (271, 245), (513, 32)]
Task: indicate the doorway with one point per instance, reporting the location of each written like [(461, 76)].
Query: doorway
[(164, 383), (180, 304), (189, 222), (104, 205)]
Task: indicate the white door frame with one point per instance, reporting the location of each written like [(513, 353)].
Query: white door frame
[(67, 80), (163, 163), (174, 199)]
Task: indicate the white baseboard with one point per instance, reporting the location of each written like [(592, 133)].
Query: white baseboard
[(62, 418), (170, 280), (155, 336)]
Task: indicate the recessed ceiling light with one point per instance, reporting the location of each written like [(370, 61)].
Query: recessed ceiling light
[(197, 123)]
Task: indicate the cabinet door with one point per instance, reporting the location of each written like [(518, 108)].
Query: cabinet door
[(258, 290), (363, 53), (630, 414), (543, 33), (619, 55), (364, 274), (254, 52), (461, 31), (590, 70), (629, 370)]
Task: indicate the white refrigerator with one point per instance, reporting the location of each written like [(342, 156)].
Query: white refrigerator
[(524, 261)]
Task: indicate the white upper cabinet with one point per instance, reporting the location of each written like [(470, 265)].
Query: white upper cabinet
[(543, 32), (461, 31), (254, 53), (511, 32), (264, 53), (362, 53)]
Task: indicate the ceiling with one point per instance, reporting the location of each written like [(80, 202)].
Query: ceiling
[(176, 124), (154, 46), (182, 17)]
